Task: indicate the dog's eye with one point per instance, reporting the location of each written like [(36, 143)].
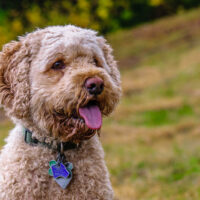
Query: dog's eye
[(96, 62), (58, 65)]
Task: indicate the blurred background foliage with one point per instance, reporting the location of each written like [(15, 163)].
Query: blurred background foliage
[(19, 16)]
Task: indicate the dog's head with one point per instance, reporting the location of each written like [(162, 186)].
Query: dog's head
[(60, 79)]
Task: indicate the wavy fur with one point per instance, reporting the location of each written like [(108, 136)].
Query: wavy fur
[(43, 100)]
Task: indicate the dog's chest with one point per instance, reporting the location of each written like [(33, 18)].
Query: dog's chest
[(25, 174)]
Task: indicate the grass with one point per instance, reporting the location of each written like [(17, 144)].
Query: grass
[(5, 127), (152, 141)]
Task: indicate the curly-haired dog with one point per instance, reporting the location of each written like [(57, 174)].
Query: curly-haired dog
[(56, 84)]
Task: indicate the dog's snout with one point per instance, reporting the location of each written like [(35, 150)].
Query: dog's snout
[(94, 85)]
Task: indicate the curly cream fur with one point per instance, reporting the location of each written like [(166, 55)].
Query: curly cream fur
[(43, 100)]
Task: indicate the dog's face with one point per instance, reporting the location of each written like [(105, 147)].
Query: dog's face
[(67, 78)]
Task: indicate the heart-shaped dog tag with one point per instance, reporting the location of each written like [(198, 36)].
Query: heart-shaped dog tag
[(61, 172)]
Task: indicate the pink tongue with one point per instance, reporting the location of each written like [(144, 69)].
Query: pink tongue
[(92, 116)]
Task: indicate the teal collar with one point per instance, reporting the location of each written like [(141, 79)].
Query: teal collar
[(60, 147)]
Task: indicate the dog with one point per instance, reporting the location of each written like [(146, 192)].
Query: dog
[(56, 84)]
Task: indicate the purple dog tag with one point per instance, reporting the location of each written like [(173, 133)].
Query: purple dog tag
[(59, 170), (62, 173)]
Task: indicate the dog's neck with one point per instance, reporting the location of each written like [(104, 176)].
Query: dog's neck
[(54, 145), (42, 134)]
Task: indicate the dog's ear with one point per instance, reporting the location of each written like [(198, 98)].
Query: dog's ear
[(6, 66), (14, 67), (111, 62)]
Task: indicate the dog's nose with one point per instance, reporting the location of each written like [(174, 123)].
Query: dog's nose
[(94, 85)]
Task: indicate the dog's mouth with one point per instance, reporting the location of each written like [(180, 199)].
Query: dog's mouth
[(92, 115), (82, 123), (88, 115)]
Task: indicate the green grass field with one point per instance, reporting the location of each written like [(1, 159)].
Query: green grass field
[(152, 141)]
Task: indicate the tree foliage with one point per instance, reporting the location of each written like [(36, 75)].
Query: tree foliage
[(19, 16)]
